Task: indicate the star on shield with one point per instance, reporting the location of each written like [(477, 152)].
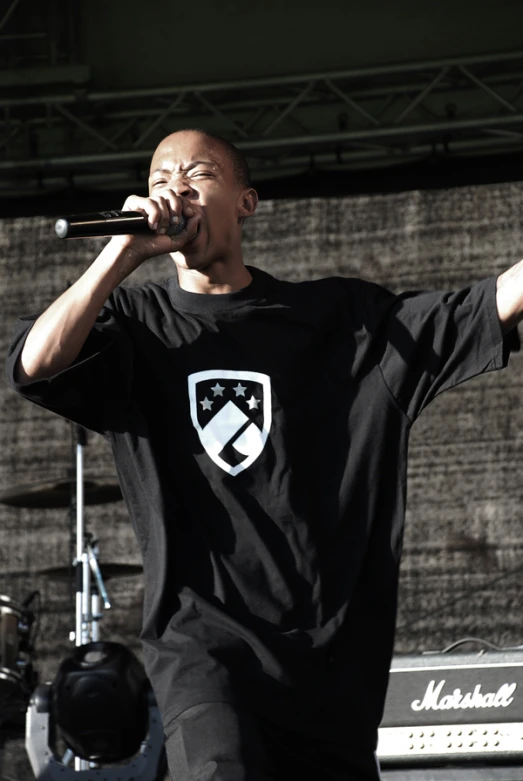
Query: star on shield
[(232, 413)]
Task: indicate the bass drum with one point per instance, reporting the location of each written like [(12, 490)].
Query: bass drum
[(16, 669)]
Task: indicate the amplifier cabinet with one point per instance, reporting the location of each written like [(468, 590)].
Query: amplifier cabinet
[(453, 707)]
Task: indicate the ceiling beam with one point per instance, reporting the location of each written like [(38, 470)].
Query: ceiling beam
[(329, 119)]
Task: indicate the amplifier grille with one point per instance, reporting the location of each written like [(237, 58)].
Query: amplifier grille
[(436, 743)]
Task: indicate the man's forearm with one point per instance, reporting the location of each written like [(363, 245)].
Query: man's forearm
[(509, 296), (59, 334)]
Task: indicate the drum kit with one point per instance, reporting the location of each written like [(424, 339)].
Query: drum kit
[(20, 695)]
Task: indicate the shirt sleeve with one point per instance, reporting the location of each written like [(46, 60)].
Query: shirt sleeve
[(94, 390), (430, 342)]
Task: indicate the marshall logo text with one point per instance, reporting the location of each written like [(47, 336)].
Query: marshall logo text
[(458, 701)]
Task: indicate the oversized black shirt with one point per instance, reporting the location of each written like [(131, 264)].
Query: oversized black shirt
[(260, 438)]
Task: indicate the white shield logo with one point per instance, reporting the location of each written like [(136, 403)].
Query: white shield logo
[(231, 411)]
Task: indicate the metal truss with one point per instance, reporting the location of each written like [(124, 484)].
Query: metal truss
[(366, 117)]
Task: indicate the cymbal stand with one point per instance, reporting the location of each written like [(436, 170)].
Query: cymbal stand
[(86, 564), (82, 441)]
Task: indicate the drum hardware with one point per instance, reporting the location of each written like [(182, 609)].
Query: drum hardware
[(18, 629), (94, 597)]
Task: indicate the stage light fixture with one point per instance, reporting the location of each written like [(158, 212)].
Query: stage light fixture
[(99, 702)]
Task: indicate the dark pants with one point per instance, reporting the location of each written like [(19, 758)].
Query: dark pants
[(219, 742)]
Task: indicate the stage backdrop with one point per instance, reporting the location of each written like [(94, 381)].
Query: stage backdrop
[(463, 563)]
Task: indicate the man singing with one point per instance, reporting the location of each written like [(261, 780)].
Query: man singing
[(260, 431)]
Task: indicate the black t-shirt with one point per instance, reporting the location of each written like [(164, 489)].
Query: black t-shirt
[(260, 438)]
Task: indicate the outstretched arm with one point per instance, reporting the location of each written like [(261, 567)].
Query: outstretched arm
[(509, 296)]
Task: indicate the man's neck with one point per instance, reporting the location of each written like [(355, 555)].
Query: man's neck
[(214, 281)]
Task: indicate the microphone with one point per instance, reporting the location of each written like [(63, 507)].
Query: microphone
[(113, 223)]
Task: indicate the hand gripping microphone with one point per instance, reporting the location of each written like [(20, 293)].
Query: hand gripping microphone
[(113, 223)]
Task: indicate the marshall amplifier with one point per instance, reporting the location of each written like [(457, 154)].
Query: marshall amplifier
[(444, 707)]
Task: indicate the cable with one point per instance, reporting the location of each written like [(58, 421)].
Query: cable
[(463, 640), (460, 597), (36, 626)]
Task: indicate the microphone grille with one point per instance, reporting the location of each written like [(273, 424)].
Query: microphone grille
[(176, 228)]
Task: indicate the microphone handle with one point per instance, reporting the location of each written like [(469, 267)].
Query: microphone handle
[(111, 223)]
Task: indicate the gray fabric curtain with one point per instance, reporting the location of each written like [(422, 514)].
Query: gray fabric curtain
[(462, 569)]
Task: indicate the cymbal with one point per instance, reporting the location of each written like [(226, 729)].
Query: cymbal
[(57, 493), (108, 571)]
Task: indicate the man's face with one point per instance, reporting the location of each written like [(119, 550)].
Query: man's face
[(200, 173)]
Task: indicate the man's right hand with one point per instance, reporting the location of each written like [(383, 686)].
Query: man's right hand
[(161, 210)]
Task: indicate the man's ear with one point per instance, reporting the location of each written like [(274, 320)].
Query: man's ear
[(248, 203)]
